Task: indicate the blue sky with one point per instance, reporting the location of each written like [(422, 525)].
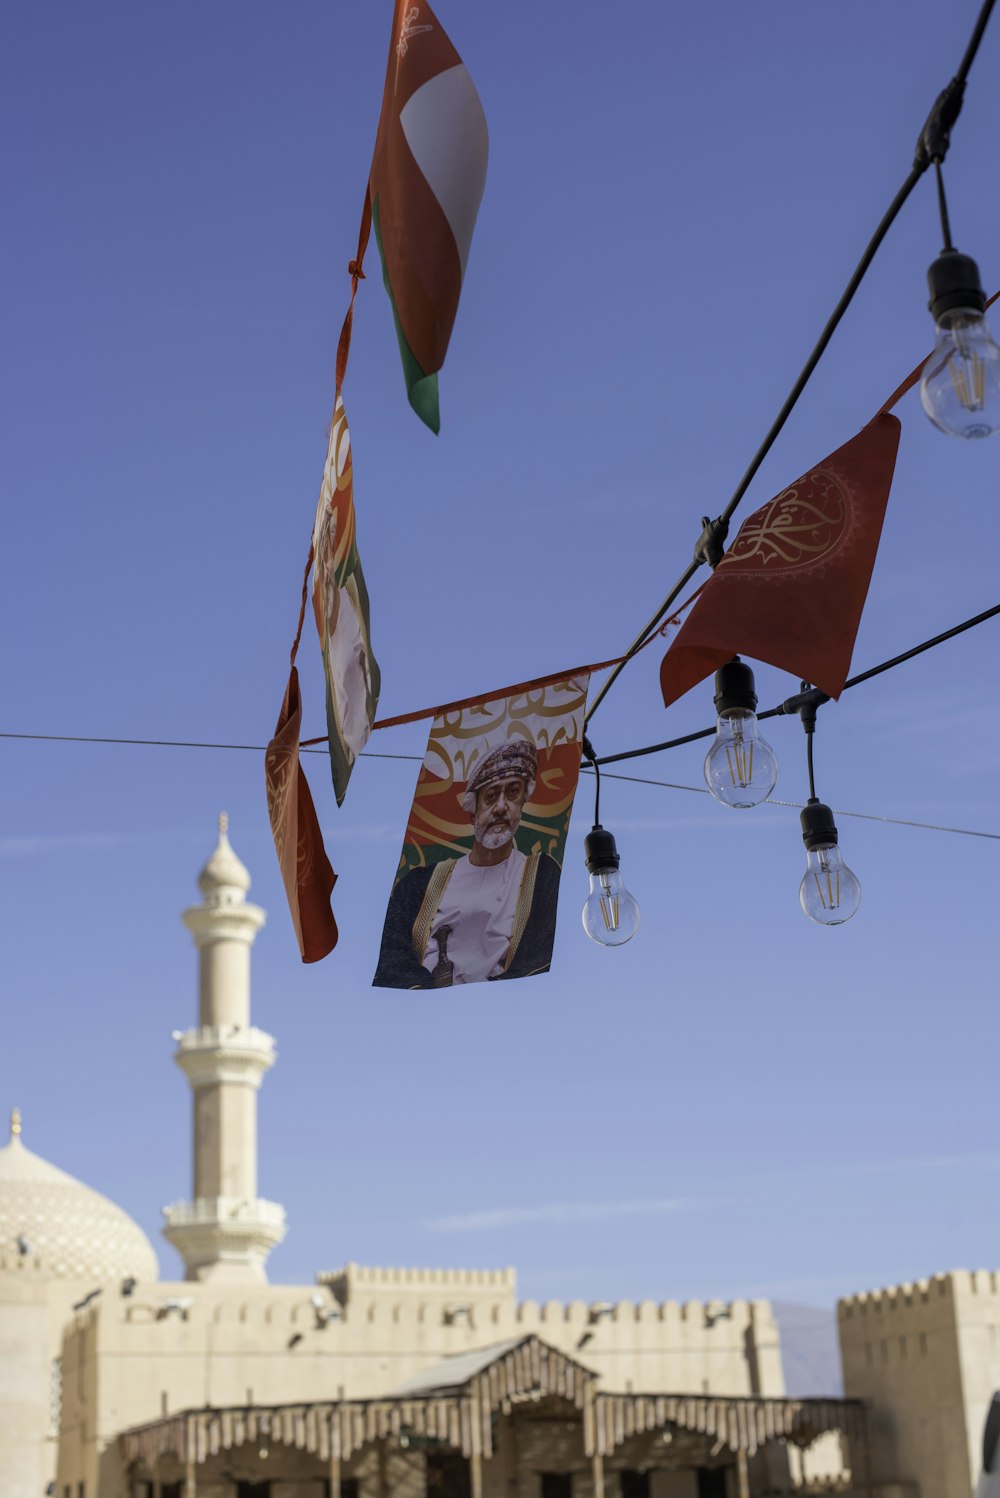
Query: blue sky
[(737, 1103)]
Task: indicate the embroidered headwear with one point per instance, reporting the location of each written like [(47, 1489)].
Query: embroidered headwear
[(518, 757)]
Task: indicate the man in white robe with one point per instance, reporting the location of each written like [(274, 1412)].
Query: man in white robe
[(489, 914)]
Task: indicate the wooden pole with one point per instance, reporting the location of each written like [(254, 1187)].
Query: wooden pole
[(333, 1476), (598, 1475), (743, 1473), (476, 1442), (190, 1481)]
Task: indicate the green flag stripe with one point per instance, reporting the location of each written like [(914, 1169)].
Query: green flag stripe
[(421, 389)]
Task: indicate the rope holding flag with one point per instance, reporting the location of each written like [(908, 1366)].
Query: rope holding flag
[(355, 270)]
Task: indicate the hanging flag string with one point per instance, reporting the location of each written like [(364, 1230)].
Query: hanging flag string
[(302, 607), (356, 272), (420, 713)]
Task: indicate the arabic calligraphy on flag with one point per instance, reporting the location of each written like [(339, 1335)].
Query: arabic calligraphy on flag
[(791, 588), (342, 612), (477, 886)]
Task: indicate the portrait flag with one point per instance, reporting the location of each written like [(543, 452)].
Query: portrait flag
[(305, 869), (424, 189), (341, 610), (477, 885), (791, 588)]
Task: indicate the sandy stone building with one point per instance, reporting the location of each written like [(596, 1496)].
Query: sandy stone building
[(927, 1358), (58, 1240), (368, 1382)]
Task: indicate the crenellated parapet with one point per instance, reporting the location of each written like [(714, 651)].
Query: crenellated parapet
[(896, 1299), (368, 1277)]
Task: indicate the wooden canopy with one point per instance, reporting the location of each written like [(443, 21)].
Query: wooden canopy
[(454, 1401)]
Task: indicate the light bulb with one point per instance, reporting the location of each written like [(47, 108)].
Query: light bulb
[(830, 892), (740, 768), (960, 383), (610, 914)]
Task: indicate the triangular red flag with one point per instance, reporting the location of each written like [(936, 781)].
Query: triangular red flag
[(791, 588), (305, 868)]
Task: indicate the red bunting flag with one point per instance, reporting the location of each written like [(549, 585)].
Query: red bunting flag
[(791, 588), (305, 868), (424, 190)]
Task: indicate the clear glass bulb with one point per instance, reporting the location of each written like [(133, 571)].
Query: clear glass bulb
[(960, 383), (610, 915), (740, 767), (829, 893)]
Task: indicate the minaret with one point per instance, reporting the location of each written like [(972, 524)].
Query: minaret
[(226, 1231)]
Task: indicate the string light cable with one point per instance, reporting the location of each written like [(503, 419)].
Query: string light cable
[(960, 393), (932, 148), (594, 764), (783, 707)]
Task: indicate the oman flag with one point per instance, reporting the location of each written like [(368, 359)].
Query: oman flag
[(424, 189)]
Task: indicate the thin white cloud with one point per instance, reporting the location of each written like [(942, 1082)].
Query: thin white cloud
[(31, 843), (568, 1213), (558, 1212)]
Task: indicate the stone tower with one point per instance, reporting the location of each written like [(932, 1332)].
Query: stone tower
[(225, 1231)]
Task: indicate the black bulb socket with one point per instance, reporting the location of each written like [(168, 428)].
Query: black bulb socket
[(954, 282), (734, 688), (818, 827), (600, 850)]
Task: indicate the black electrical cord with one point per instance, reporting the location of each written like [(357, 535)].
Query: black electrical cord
[(605, 759), (591, 758), (838, 811), (974, 40), (943, 209), (932, 147), (853, 681)]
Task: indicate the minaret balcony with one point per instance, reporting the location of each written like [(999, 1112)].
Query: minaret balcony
[(224, 1053), (224, 1234)]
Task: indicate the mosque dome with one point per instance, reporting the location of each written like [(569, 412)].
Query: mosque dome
[(53, 1226), (223, 876)]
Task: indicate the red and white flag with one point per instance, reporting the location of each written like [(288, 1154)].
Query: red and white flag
[(424, 190)]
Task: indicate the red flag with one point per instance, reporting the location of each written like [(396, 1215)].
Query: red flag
[(305, 868), (791, 588)]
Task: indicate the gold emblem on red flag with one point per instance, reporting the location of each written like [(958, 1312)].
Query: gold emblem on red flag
[(805, 525)]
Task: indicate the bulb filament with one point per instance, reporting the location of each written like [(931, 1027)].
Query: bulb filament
[(742, 772), (609, 906), (830, 899), (976, 399)]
